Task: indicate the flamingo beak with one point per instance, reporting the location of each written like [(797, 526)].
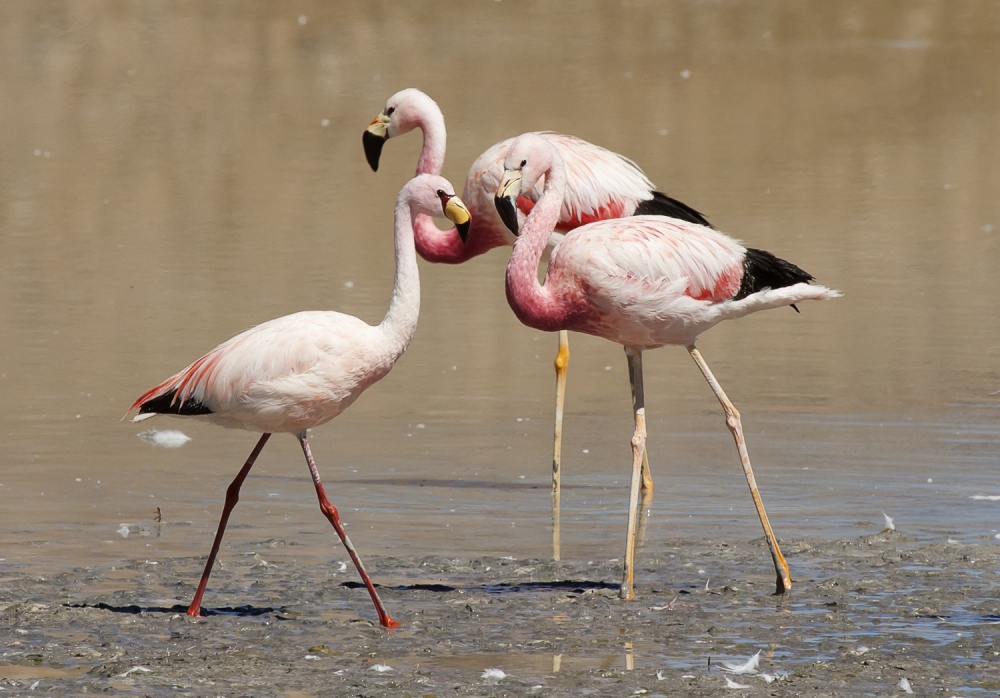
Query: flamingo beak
[(457, 213), (506, 199), (374, 138)]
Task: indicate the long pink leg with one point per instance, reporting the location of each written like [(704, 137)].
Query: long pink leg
[(330, 512), (232, 496)]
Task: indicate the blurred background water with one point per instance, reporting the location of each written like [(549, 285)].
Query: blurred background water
[(173, 173)]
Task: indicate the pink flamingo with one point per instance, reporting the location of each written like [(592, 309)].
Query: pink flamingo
[(644, 282), (302, 370), (600, 185)]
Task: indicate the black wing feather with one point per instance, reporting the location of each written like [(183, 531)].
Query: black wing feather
[(761, 270), (663, 205), (164, 404)]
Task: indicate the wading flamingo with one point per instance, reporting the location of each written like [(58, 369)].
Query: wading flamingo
[(600, 185), (302, 370), (644, 282)]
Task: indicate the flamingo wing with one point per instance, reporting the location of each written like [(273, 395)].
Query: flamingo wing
[(600, 185), (264, 356), (640, 259)]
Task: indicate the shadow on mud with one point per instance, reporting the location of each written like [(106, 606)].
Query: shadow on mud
[(568, 585), (243, 611)]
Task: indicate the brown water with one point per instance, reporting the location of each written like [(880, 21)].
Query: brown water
[(166, 180)]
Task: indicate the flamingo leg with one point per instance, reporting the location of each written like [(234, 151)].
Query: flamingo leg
[(561, 363), (331, 514), (647, 476), (627, 590), (784, 579), (232, 496), (646, 501)]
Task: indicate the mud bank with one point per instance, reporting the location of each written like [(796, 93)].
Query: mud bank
[(863, 615)]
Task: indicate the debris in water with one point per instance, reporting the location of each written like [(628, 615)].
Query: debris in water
[(660, 676), (381, 668), (747, 667), (494, 675), (666, 607), (135, 669), (777, 676), (123, 530), (905, 685), (732, 684), (986, 497), (889, 525), (168, 438)]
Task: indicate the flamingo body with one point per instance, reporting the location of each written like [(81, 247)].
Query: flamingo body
[(283, 376), (302, 370), (647, 282), (644, 282)]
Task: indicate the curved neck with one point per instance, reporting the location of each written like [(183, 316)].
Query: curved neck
[(534, 304), (400, 321), (445, 246), (431, 123)]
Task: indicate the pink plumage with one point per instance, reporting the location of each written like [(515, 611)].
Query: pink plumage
[(641, 281), (600, 184)]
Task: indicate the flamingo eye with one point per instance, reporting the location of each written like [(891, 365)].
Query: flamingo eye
[(389, 111), (440, 192), (523, 163)]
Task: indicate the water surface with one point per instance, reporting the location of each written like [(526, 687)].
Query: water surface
[(171, 175)]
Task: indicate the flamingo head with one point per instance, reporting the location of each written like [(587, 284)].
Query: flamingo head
[(404, 111), (435, 196), (528, 159)]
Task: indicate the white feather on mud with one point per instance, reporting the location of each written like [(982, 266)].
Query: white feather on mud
[(747, 667), (494, 675), (889, 525), (167, 438), (732, 684)]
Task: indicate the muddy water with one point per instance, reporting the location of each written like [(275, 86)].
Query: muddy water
[(170, 175)]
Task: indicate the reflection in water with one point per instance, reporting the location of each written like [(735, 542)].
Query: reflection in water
[(171, 175)]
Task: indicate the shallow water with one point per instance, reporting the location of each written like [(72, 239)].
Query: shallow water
[(167, 180)]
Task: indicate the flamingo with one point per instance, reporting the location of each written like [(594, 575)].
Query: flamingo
[(600, 185), (644, 282), (300, 371)]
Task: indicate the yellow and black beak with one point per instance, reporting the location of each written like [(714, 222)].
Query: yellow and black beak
[(457, 213), (506, 199), (374, 138)]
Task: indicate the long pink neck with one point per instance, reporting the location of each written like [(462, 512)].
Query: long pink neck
[(534, 304), (434, 244), (431, 123)]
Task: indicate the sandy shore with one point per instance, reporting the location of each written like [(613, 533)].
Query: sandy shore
[(863, 615)]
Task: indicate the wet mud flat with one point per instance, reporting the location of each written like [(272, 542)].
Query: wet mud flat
[(864, 614)]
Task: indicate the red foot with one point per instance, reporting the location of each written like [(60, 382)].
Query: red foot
[(388, 623)]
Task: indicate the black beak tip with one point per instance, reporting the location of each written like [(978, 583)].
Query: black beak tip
[(373, 148), (508, 213), (463, 230)]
